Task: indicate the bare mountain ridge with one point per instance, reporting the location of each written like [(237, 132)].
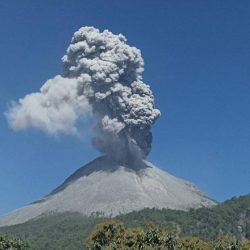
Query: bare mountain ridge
[(105, 187)]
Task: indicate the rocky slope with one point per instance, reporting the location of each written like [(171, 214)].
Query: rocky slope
[(106, 188)]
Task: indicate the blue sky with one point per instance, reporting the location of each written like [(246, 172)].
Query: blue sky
[(196, 60)]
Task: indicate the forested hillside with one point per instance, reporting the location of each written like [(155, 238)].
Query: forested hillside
[(232, 216)]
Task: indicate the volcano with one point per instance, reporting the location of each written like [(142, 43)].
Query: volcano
[(107, 188)]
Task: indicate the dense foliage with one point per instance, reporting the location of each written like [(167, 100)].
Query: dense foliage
[(232, 216), (68, 231), (113, 235), (7, 243), (62, 231)]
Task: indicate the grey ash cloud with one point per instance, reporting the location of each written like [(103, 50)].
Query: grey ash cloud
[(103, 77)]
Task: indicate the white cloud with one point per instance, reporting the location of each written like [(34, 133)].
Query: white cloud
[(55, 109)]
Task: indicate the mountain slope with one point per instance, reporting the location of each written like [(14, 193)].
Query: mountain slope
[(68, 230), (106, 188)]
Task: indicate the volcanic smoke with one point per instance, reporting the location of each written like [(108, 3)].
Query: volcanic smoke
[(102, 79), (102, 76)]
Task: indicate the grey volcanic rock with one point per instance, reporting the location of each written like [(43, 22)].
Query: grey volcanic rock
[(106, 188)]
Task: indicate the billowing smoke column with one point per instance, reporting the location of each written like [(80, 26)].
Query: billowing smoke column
[(103, 75)]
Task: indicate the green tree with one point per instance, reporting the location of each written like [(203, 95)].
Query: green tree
[(113, 235), (134, 238), (245, 244), (226, 242), (161, 238), (107, 234), (14, 244), (192, 243)]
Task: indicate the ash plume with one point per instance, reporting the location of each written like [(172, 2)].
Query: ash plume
[(102, 76)]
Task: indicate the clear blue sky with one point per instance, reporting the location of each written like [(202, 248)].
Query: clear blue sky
[(197, 61)]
